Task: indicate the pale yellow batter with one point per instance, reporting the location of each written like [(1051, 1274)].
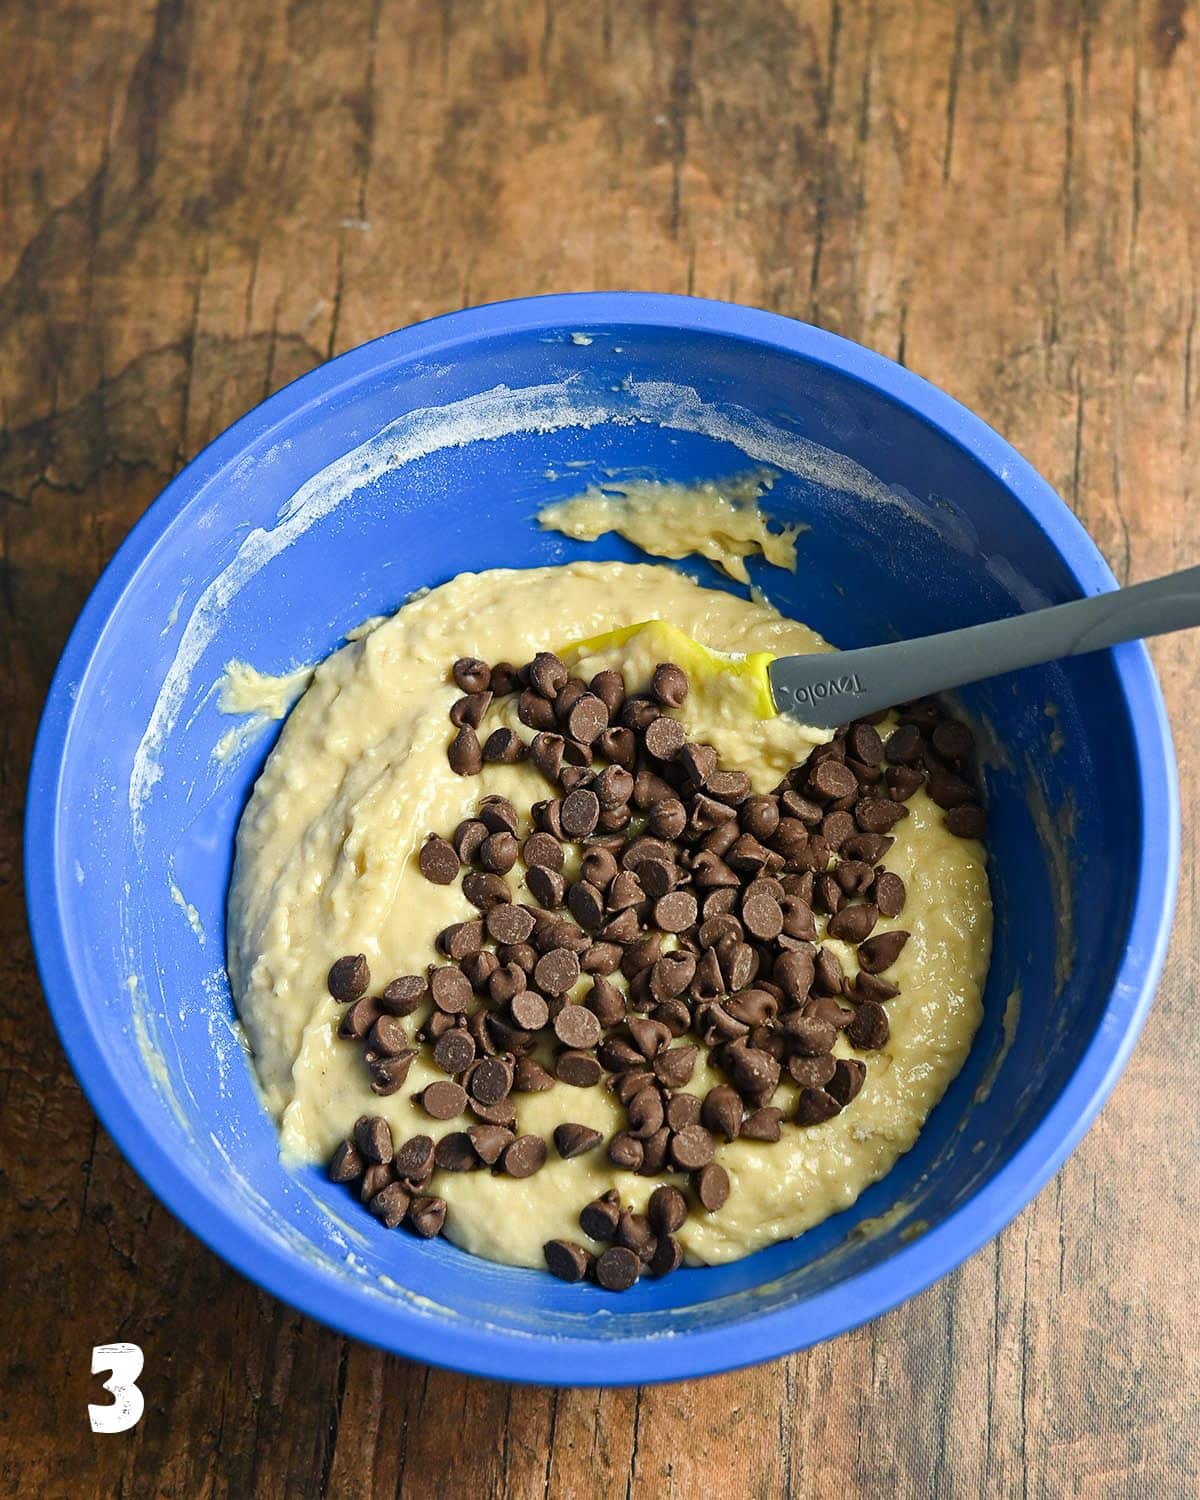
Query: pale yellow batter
[(326, 865)]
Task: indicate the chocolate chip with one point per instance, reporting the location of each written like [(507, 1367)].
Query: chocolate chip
[(451, 990), (586, 904), (490, 1080), (485, 891), (455, 1051), (667, 818), (888, 893), (606, 1002), (588, 719), (815, 1106), (525, 1156), (609, 687), (645, 1111), (812, 1072), (634, 1232), (669, 684), (346, 1163), (426, 1215), (878, 814), (529, 1010), (830, 780), (658, 876), (414, 1158), (872, 987), (576, 1026), (388, 1074), (390, 1204), (402, 996), (566, 1260), (443, 1100), (667, 1210), (881, 951), (504, 747), (864, 744), (455, 1153), (654, 1153), (854, 923), (738, 964), (529, 1077), (601, 958), (537, 713), (721, 1111), (952, 740), (675, 1066), (967, 821), (852, 877), (665, 738), (566, 698), (763, 917), (619, 746), (599, 1219), (809, 1035), (903, 745), (638, 712), (388, 1037), (471, 674), (682, 1110), (848, 1077), (498, 853), (731, 787), (759, 816), (373, 1137), (626, 1151), (465, 753), (711, 1186), (547, 675), (579, 1069), (358, 1020), (556, 971), (505, 678), (573, 1140), (546, 886), (374, 1180), (869, 847), (667, 1257), (580, 812), (828, 973), (461, 940), (675, 911), (490, 1142), (349, 977), (904, 782), (763, 1124), (503, 1113), (470, 710), (836, 828), (691, 1148), (826, 1008), (699, 761), (753, 1007), (754, 1073), (617, 1269), (869, 1028)]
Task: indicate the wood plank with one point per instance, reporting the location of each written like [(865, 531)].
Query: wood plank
[(199, 203)]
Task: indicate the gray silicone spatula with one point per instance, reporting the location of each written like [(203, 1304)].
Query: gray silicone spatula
[(828, 690)]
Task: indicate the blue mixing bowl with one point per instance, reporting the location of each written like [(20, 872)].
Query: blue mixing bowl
[(426, 453)]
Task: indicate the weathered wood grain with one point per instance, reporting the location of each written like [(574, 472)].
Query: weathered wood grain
[(200, 202)]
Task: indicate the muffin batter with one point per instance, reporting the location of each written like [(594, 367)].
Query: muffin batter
[(326, 865)]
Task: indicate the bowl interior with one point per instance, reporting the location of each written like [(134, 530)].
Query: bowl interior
[(397, 467)]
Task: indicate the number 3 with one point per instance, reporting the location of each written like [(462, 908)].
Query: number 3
[(124, 1363)]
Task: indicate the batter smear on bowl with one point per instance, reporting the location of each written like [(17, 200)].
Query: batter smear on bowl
[(566, 955)]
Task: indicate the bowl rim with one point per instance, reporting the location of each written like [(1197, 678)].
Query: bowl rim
[(505, 1354)]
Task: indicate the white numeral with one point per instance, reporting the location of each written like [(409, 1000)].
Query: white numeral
[(123, 1363)]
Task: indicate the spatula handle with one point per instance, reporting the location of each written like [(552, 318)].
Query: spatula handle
[(831, 689)]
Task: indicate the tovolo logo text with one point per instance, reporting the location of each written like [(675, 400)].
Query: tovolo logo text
[(815, 691)]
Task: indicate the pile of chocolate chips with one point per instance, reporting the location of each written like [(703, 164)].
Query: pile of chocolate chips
[(701, 895)]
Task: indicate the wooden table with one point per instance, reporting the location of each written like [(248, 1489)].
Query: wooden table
[(198, 202)]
